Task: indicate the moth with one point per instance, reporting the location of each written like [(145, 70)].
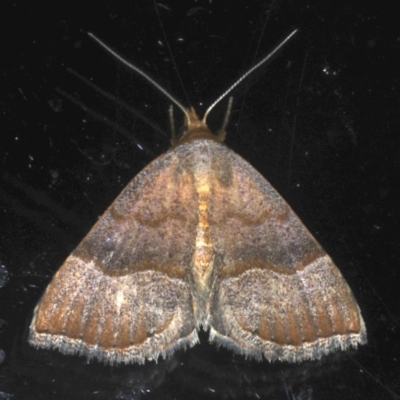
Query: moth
[(198, 239)]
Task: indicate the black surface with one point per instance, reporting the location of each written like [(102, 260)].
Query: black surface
[(320, 123)]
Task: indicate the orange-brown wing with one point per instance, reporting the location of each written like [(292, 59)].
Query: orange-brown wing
[(277, 293), (123, 295)]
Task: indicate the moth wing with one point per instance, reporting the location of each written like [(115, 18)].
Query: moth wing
[(123, 295), (277, 293)]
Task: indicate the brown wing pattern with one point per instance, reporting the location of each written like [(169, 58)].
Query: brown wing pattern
[(123, 295), (277, 294)]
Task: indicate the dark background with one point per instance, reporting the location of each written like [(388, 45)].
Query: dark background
[(321, 123)]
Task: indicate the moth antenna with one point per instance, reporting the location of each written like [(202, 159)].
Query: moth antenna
[(246, 74), (140, 72)]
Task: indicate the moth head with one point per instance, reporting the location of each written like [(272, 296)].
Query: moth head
[(195, 128)]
